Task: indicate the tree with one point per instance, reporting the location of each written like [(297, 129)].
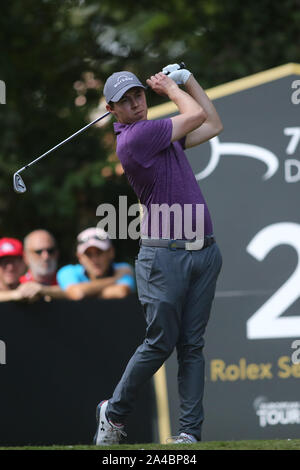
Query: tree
[(44, 54)]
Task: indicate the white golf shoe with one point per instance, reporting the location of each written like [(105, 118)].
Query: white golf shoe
[(107, 432), (183, 438)]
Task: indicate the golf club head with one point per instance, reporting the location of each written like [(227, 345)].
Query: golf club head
[(19, 185)]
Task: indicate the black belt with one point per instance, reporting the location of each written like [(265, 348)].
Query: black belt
[(178, 244)]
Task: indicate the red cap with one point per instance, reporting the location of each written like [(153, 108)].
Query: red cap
[(10, 247)]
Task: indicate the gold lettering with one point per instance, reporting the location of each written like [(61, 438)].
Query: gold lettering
[(252, 371), (285, 371), (243, 368), (296, 370), (232, 372), (217, 370), (266, 371)]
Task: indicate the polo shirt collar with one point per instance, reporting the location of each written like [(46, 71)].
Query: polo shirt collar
[(119, 127)]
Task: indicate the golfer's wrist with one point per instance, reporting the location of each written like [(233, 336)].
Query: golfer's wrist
[(174, 92), (185, 76), (189, 80)]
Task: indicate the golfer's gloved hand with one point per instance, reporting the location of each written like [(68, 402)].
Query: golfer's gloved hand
[(180, 76)]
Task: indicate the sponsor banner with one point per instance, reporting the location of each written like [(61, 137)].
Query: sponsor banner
[(246, 380)]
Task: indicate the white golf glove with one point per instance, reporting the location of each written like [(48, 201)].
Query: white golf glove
[(180, 76)]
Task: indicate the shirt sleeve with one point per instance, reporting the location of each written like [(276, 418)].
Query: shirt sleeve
[(148, 138), (68, 275), (127, 279)]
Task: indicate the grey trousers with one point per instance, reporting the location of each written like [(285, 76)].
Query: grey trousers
[(176, 290)]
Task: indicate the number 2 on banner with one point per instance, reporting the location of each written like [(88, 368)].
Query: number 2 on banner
[(265, 322)]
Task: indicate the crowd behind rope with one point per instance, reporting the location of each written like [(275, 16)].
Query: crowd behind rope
[(29, 269)]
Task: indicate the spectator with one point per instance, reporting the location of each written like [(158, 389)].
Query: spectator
[(96, 274), (12, 267), (41, 258)]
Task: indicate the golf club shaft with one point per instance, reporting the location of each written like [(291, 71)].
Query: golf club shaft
[(181, 65), (63, 142)]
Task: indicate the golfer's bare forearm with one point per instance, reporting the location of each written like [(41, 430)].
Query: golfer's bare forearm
[(194, 89), (185, 102), (192, 114)]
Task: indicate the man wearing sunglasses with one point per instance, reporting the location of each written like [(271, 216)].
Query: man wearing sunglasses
[(41, 258)]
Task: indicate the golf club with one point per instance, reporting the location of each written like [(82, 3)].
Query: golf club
[(19, 185), (18, 182)]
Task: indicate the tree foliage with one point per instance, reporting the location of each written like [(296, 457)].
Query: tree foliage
[(55, 57)]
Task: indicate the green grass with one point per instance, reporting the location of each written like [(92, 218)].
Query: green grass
[(285, 444)]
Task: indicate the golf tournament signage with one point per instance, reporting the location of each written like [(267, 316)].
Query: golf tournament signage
[(250, 177)]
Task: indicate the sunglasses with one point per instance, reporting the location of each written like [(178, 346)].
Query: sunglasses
[(91, 237), (10, 259), (50, 251)]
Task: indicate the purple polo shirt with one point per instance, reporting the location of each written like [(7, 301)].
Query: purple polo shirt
[(159, 173)]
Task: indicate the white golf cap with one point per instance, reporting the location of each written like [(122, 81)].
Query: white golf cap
[(93, 236)]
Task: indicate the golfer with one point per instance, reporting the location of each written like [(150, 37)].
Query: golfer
[(176, 278)]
